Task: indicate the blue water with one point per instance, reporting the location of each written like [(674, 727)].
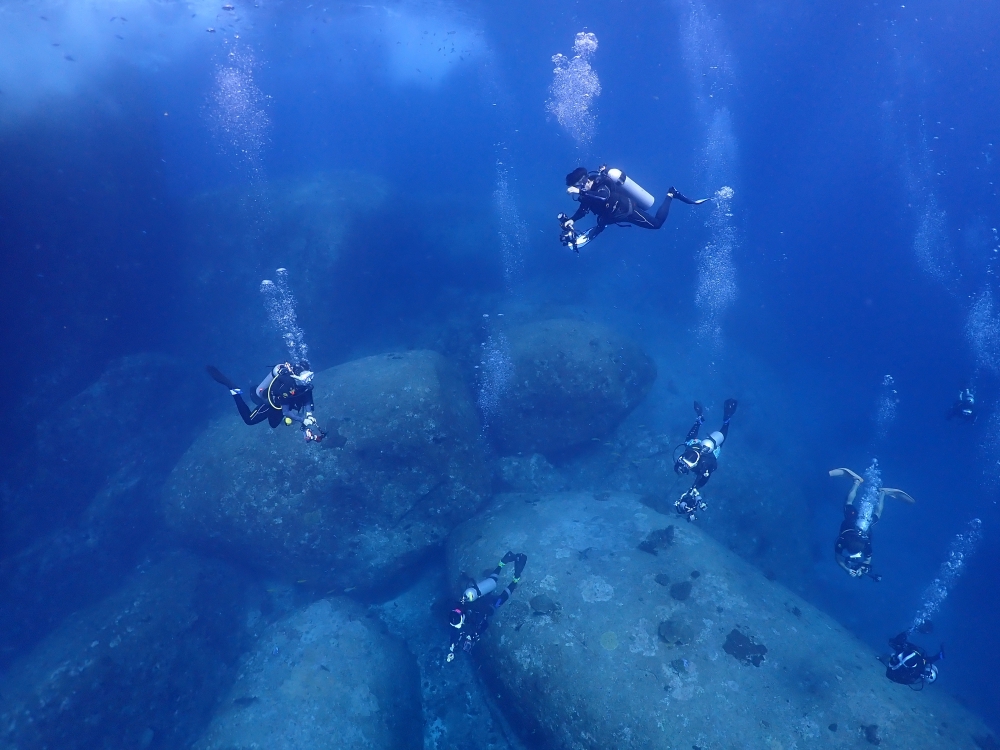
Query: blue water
[(858, 139)]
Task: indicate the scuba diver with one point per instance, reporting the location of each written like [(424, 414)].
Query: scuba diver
[(614, 199), (701, 458), (909, 664), (471, 616), (285, 395), (965, 407), (853, 549)]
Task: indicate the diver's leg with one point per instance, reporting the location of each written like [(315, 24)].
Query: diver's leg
[(857, 482), (249, 417), (879, 507), (662, 211), (641, 219), (519, 562), (854, 491), (728, 411), (256, 416)]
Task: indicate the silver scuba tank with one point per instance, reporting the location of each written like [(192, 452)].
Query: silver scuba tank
[(634, 191), (482, 588)]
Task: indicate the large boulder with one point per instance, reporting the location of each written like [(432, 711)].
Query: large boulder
[(142, 669), (345, 517), (113, 427), (572, 382), (630, 633), (86, 500), (327, 676)]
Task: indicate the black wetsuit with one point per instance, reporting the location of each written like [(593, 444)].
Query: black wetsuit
[(477, 614), (280, 397), (849, 528), (964, 410), (708, 461), (612, 205), (908, 664)]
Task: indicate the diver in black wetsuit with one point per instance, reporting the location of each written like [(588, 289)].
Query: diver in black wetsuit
[(965, 408), (471, 616), (853, 548), (701, 458), (285, 395), (611, 196), (909, 664)]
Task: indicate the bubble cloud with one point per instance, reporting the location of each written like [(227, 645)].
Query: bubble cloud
[(574, 90), (280, 304), (716, 289), (495, 372), (513, 232), (963, 546), (237, 105), (885, 411)]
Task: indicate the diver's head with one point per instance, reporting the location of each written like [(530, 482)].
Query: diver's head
[(301, 372), (456, 618), (687, 460), (577, 181), (931, 673), (574, 178)]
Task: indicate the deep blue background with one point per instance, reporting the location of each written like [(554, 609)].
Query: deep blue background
[(838, 110)]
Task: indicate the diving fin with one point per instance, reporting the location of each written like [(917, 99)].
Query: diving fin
[(674, 193), (698, 411), (851, 474), (898, 494), (729, 409), (218, 377)]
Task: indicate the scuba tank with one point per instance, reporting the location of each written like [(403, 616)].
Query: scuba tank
[(486, 586), (631, 188)]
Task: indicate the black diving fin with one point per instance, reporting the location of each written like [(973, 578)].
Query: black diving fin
[(729, 409), (218, 377)]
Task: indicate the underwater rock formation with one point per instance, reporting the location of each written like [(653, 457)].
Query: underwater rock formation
[(112, 427), (91, 487), (327, 676), (142, 669), (346, 517), (627, 658), (573, 382)]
